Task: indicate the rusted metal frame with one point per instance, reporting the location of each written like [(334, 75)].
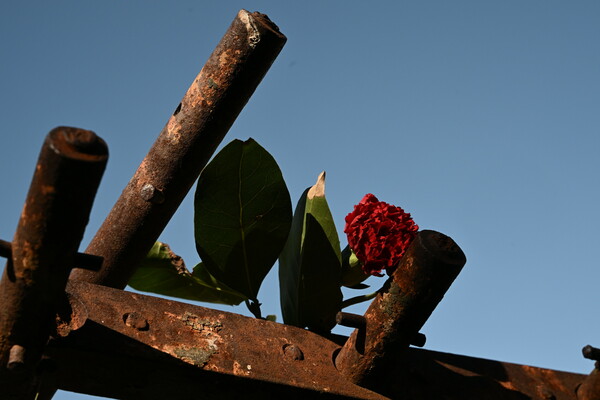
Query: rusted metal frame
[(431, 375), (360, 322), (183, 148), (395, 316), (590, 387), (82, 260), (51, 226), (125, 345), (129, 346)]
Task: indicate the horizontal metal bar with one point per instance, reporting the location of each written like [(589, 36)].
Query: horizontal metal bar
[(82, 260), (360, 322), (125, 345), (591, 353)]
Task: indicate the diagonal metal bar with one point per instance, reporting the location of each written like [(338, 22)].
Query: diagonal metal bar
[(395, 316), (44, 248), (183, 148), (590, 387)]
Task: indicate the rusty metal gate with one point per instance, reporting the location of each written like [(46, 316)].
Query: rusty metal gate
[(66, 322)]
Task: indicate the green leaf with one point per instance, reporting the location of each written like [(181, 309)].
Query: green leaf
[(352, 273), (242, 215), (163, 272), (310, 264)]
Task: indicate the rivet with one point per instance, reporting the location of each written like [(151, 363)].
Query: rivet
[(136, 321), (293, 352), (152, 194)]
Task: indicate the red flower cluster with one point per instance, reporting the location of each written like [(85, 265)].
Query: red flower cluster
[(379, 233)]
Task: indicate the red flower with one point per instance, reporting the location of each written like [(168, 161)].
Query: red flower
[(379, 233)]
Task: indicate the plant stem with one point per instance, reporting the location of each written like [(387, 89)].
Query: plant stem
[(358, 299)]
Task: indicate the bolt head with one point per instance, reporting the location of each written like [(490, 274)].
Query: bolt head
[(136, 321), (293, 352), (152, 194)]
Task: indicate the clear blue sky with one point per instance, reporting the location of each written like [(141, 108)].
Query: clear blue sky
[(480, 118)]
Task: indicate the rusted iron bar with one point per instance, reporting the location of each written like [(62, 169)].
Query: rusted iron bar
[(351, 320), (360, 322), (590, 388), (56, 211), (126, 345), (395, 316), (431, 375), (184, 146), (82, 260), (591, 353), (129, 346)]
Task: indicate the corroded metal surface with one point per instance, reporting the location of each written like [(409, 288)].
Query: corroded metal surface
[(590, 387), (395, 316), (430, 375), (130, 346), (133, 339), (51, 226), (186, 143)]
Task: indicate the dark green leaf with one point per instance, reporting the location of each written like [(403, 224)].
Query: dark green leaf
[(310, 266), (163, 272), (290, 267), (242, 215)]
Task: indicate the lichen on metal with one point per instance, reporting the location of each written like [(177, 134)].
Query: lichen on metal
[(197, 356), (200, 324)]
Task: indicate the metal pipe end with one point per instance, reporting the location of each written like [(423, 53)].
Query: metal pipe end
[(351, 320), (76, 143), (16, 359), (591, 353)]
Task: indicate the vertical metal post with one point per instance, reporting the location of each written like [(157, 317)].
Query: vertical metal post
[(183, 148), (590, 387), (56, 211), (395, 316)]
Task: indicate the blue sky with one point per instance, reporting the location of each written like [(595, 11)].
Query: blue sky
[(478, 117)]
